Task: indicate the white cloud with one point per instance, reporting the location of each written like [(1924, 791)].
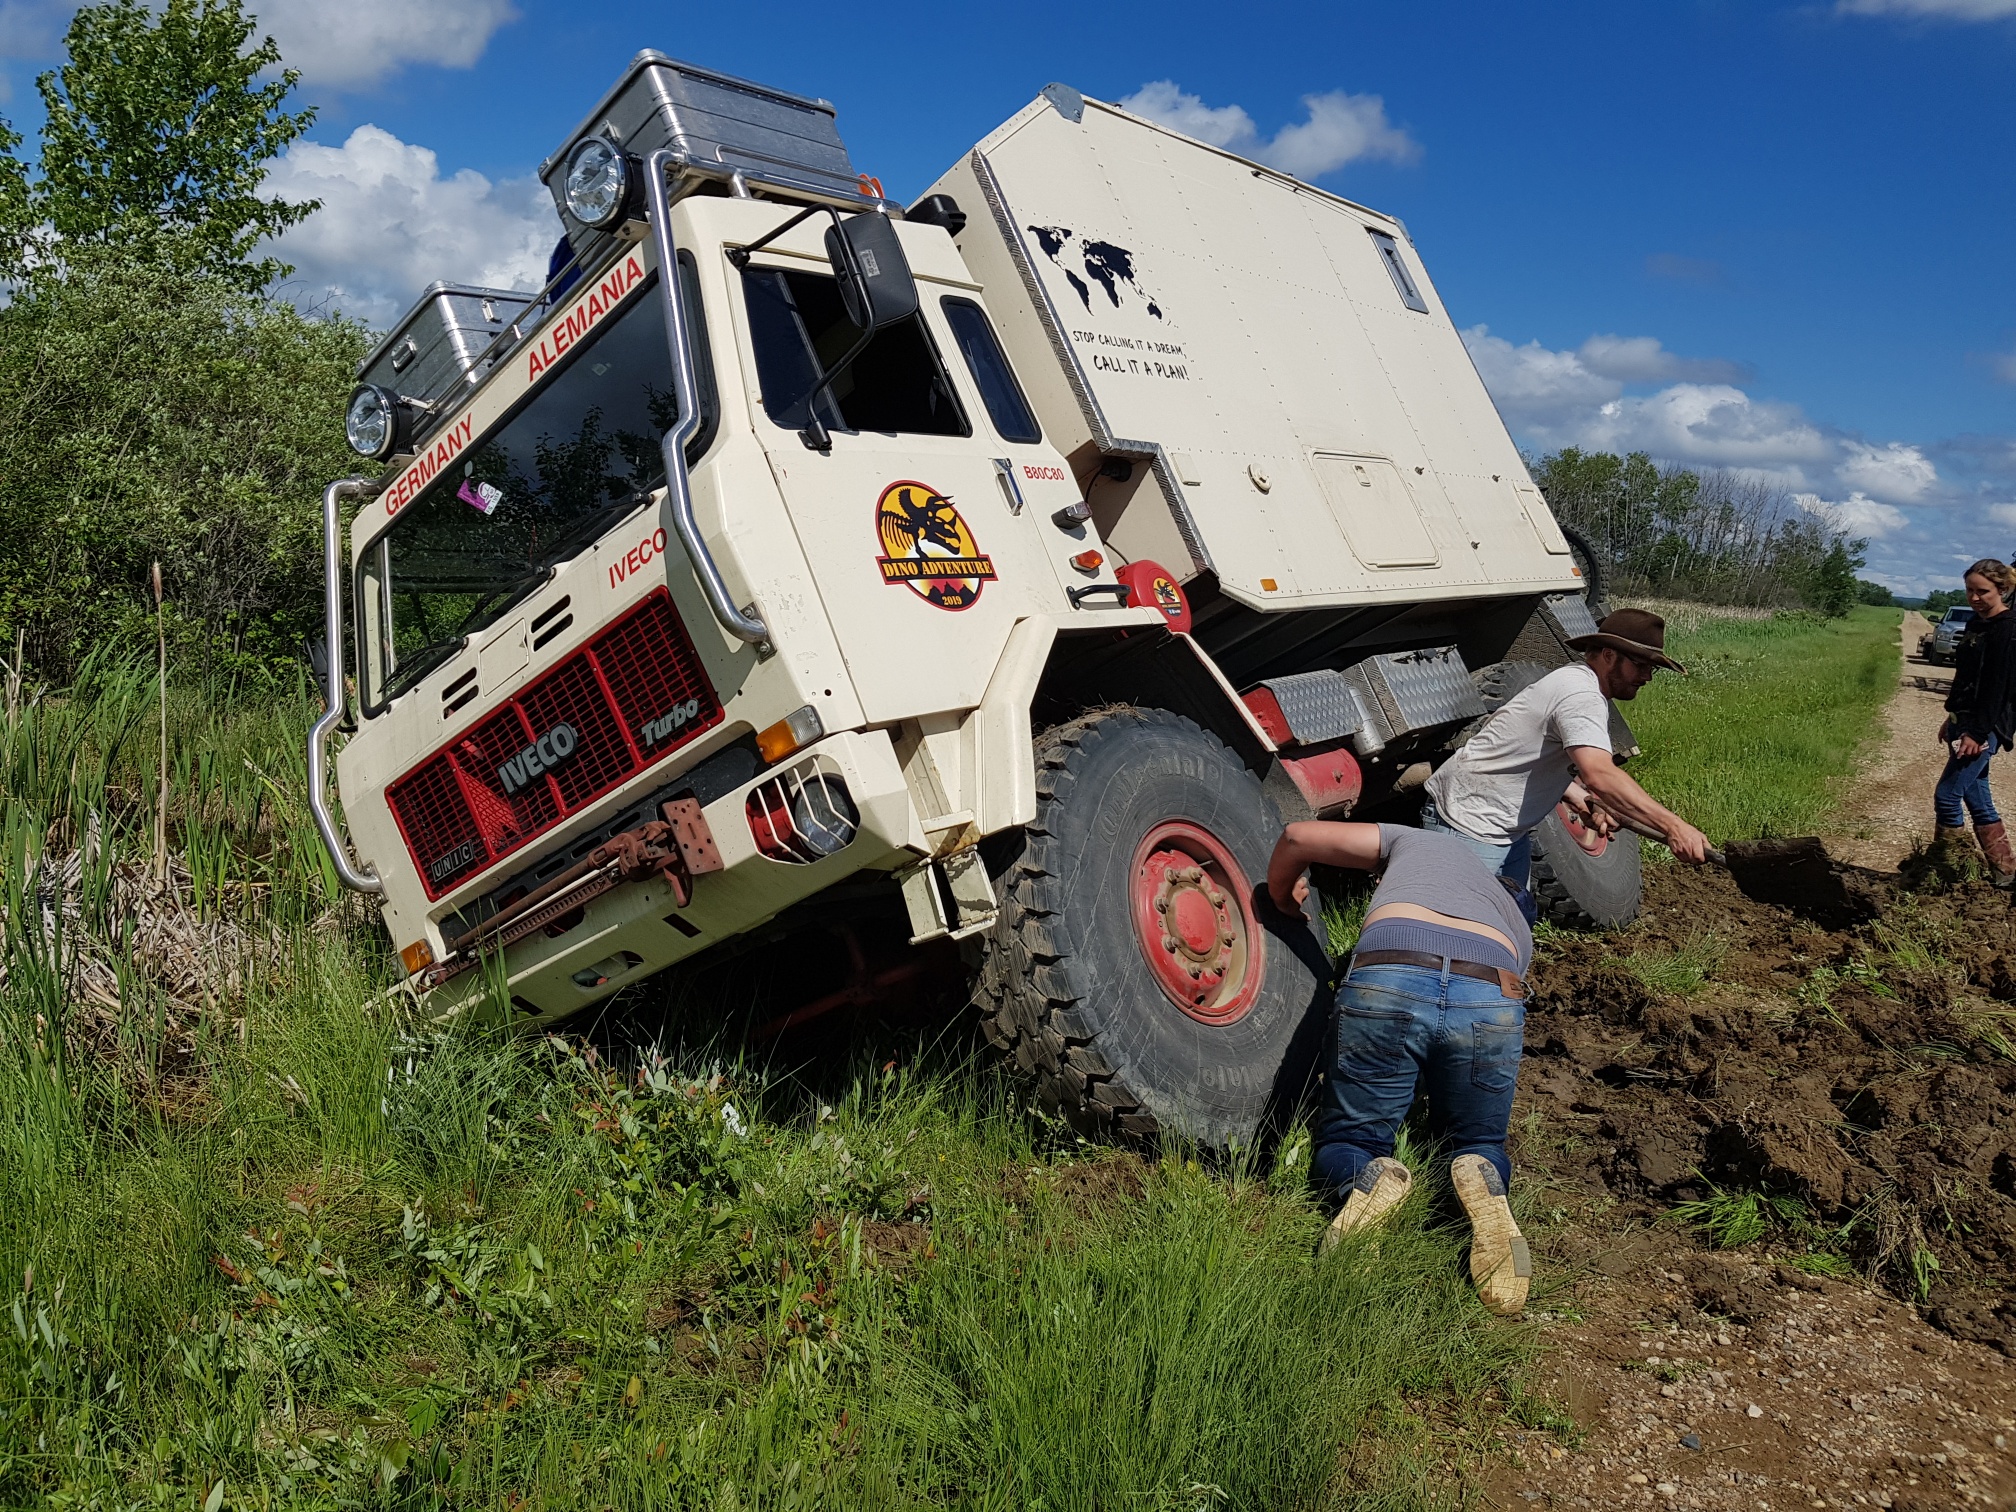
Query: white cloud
[(1941, 10), (1641, 359), (2003, 514), (341, 46), (360, 41), (1341, 128), (1535, 387), (1709, 425), (1896, 471), (1858, 515), (2004, 364), (391, 224)]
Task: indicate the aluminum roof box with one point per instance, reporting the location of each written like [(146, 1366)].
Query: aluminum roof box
[(439, 343), (718, 126)]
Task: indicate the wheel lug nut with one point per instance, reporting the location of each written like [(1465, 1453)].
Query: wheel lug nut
[(1225, 937), (1169, 943), (1161, 905), (1196, 970)]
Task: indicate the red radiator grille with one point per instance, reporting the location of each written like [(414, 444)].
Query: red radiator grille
[(632, 695)]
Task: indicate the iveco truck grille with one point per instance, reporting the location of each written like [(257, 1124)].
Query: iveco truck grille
[(627, 698)]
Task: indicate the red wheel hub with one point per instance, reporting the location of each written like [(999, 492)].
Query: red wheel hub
[(1592, 843), (1193, 916)]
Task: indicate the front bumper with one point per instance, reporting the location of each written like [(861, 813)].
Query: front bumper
[(626, 934)]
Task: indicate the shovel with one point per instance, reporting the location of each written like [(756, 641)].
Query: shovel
[(1794, 873)]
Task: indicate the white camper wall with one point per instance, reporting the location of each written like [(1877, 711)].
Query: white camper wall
[(1323, 443)]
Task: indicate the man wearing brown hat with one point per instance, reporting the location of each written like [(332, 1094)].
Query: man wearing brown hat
[(1523, 761)]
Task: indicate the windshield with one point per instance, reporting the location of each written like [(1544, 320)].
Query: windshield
[(1958, 616), (579, 455)]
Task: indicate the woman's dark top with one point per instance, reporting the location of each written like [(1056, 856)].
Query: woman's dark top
[(1983, 700)]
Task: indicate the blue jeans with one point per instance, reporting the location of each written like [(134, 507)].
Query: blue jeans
[(1965, 782), (1399, 1027), (1513, 862)]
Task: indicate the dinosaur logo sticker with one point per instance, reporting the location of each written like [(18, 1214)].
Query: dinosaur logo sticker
[(928, 547)]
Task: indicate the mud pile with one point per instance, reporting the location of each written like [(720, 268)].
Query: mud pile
[(1869, 1073)]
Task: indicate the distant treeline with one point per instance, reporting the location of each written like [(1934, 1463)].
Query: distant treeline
[(1714, 536)]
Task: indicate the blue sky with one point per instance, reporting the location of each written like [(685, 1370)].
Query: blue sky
[(1775, 237)]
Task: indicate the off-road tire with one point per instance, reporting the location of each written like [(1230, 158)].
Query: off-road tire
[(1583, 550), (1571, 888), (1579, 891), (1063, 986)]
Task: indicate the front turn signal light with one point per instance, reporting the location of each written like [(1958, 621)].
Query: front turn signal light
[(793, 732), (1088, 561), (417, 957)]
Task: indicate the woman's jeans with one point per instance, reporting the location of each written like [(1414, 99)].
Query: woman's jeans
[(1399, 1027), (1965, 782), (1514, 861)]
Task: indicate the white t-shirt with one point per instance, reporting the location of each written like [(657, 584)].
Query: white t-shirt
[(1516, 767)]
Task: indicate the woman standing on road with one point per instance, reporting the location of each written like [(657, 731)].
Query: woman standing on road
[(1980, 718)]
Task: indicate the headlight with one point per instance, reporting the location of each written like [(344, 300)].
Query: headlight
[(375, 422), (598, 182)]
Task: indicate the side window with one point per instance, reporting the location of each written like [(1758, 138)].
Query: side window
[(800, 328), (991, 374), (1396, 266)]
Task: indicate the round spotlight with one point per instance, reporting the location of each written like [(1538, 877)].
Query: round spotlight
[(375, 423), (598, 182)]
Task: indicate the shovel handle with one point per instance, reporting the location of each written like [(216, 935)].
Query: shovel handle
[(1714, 856)]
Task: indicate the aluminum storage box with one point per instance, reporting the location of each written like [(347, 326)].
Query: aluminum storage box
[(438, 343), (719, 126)]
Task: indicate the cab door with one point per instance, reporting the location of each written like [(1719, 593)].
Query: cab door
[(921, 522)]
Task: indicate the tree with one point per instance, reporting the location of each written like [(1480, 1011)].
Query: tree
[(150, 411), (1940, 600), (1867, 592), (17, 217), (1832, 587), (158, 132)]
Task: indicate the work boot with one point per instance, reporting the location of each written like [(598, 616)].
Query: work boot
[(1500, 1263), (1995, 846), (1378, 1189)]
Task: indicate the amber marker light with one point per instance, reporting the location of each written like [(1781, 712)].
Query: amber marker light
[(799, 728), (417, 957), (1088, 561)]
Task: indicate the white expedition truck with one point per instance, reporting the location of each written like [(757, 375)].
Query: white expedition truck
[(1033, 552)]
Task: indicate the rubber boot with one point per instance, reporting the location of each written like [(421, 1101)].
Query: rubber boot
[(1501, 1265), (1995, 846), (1381, 1187)]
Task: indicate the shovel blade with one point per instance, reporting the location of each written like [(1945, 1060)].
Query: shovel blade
[(1798, 874)]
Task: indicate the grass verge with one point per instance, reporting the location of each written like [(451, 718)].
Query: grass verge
[(1759, 737), (264, 1247)]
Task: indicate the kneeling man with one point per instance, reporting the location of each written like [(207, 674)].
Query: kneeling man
[(1434, 997)]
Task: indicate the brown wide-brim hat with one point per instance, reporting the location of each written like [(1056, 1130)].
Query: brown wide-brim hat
[(1635, 632)]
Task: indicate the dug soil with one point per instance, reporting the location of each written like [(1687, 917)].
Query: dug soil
[(1863, 1077)]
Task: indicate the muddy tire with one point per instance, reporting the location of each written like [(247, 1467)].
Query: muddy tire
[(1580, 882), (1149, 831), (1583, 552)]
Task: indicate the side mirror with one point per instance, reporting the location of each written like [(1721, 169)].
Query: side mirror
[(874, 276)]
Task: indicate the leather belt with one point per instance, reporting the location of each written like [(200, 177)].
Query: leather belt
[(1508, 982)]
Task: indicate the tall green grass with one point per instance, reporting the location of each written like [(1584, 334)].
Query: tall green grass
[(321, 1256), (1760, 736)]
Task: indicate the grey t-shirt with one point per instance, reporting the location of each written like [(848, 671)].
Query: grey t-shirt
[(1438, 871)]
